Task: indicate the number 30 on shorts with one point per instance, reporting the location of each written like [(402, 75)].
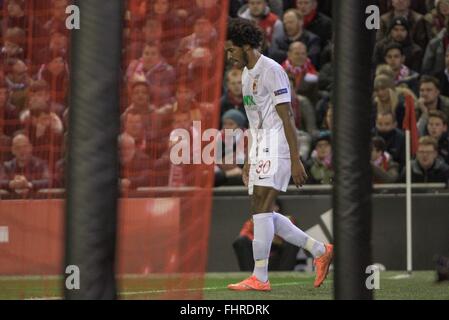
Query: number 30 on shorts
[(263, 167)]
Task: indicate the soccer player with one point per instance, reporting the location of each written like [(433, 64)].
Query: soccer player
[(273, 158)]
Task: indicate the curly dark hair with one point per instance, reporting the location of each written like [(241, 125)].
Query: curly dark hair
[(244, 32)]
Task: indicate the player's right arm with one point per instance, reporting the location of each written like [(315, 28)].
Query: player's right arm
[(299, 174)]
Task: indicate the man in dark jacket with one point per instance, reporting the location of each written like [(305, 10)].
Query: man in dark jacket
[(394, 56), (419, 28), (314, 21), (394, 138), (430, 99), (399, 32), (294, 31), (384, 169), (437, 129), (134, 165), (428, 167), (24, 173)]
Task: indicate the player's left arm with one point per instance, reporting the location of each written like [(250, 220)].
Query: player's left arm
[(299, 174)]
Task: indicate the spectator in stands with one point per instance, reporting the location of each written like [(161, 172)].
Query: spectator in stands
[(320, 163), (443, 76), (282, 254), (388, 99), (15, 15), (275, 6), (438, 17), (434, 56), (228, 173), (386, 70), (398, 32), (385, 170), (203, 8), (162, 10), (134, 126), (437, 129), (58, 43), (395, 58), (195, 54), (157, 121), (14, 44), (233, 97), (134, 165), (386, 128), (40, 90), (24, 173), (140, 98), (419, 28), (137, 11), (186, 107), (259, 11), (300, 68), (58, 17), (204, 36), (430, 99), (45, 131), (17, 80), (428, 167), (315, 21), (294, 31), (56, 73), (152, 32), (186, 111), (158, 73), (9, 115)]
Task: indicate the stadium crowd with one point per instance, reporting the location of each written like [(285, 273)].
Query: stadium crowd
[(410, 64), (170, 75)]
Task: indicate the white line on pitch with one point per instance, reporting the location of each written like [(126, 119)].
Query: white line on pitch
[(199, 289), (173, 290)]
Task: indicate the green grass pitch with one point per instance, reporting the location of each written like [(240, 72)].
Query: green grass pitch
[(285, 286)]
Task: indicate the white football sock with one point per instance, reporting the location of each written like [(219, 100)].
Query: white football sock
[(263, 237), (284, 228)]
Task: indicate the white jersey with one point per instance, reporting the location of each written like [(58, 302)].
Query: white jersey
[(265, 86)]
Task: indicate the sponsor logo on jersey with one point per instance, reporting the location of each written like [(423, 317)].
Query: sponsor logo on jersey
[(249, 101), (280, 92)]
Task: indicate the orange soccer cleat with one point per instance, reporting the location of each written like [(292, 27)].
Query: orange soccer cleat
[(252, 283), (322, 265)]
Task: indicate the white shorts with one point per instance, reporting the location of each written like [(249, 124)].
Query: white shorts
[(274, 173)]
